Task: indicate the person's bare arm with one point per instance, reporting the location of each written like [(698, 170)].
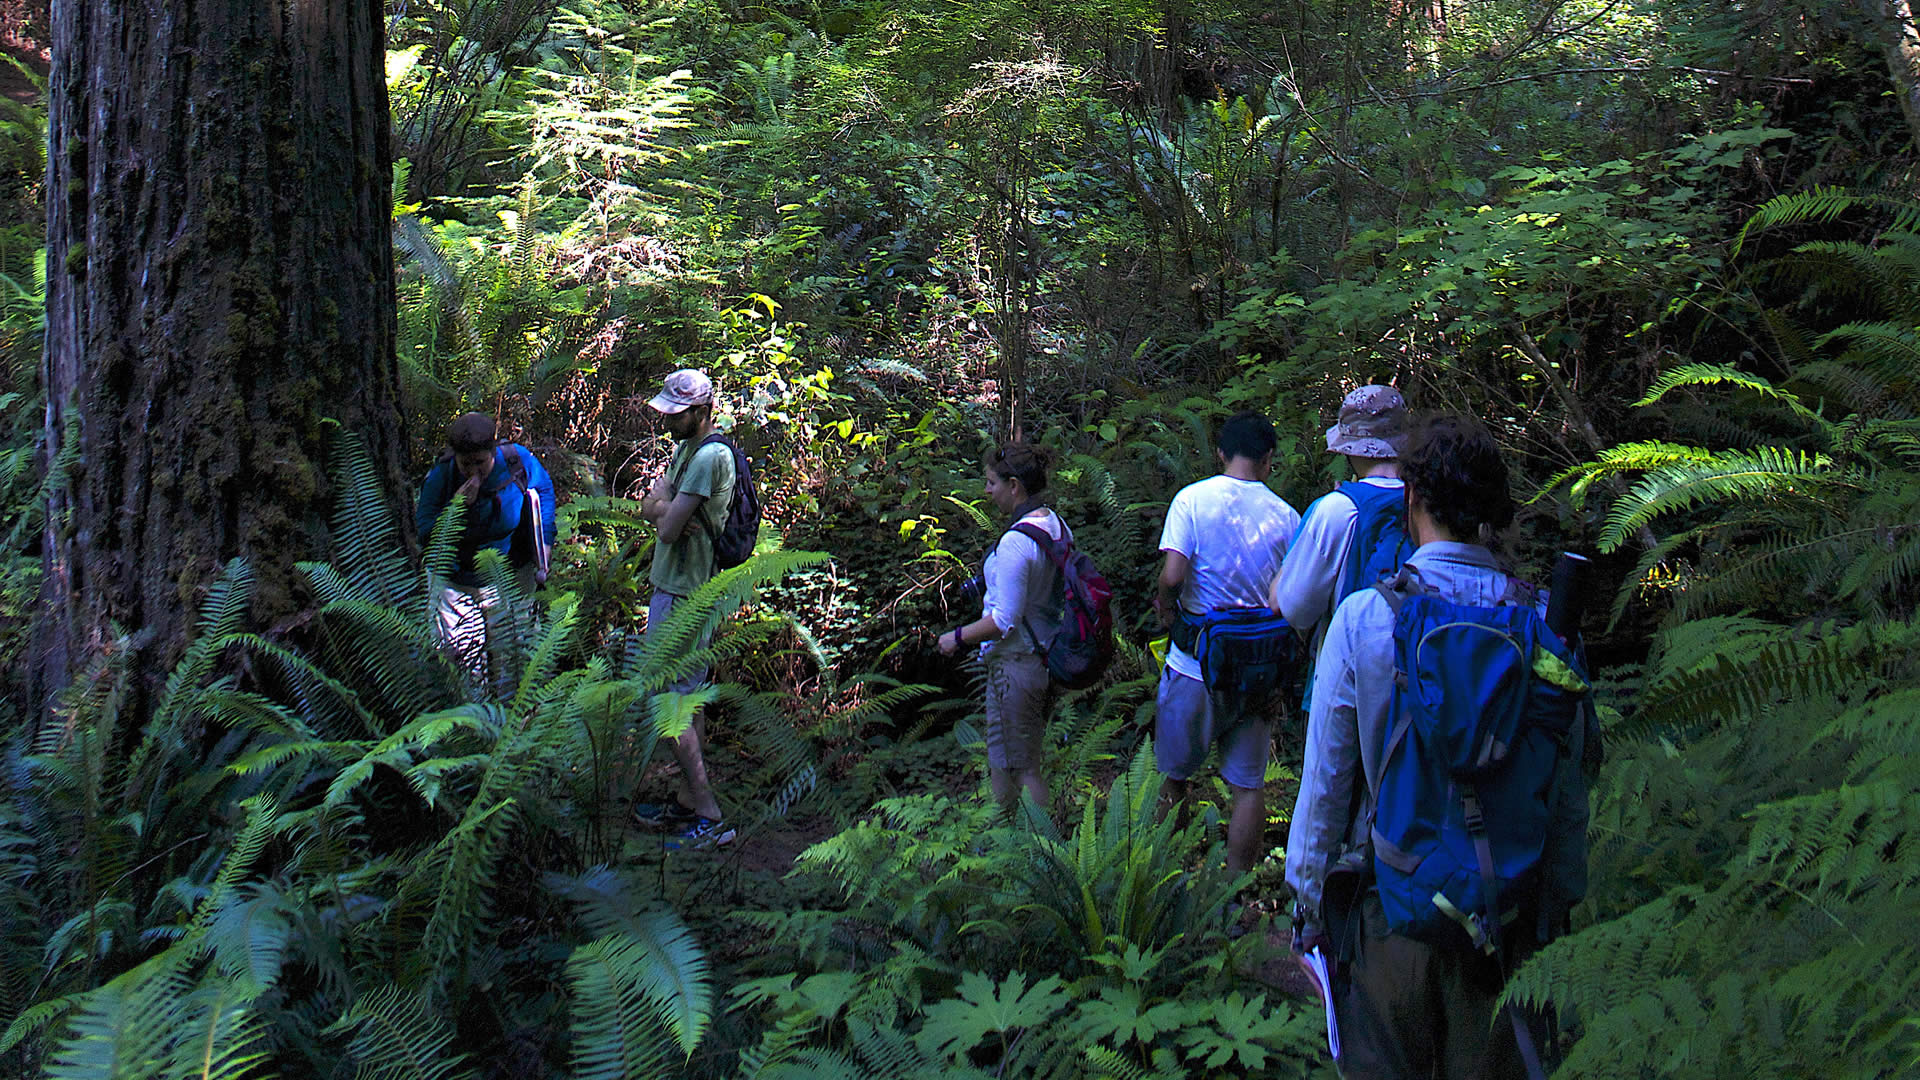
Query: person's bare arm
[(677, 517), (1173, 576)]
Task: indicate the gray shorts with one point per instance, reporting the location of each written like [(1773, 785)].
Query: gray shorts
[(659, 607), (1017, 686), (1189, 720)]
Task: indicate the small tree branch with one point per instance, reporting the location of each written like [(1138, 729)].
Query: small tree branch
[(1577, 413)]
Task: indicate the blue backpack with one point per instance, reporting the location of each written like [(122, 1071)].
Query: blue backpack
[(1483, 702), (1379, 546)]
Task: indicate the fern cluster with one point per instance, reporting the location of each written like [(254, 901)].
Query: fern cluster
[(1754, 847), (1755, 858), (1813, 508), (951, 906), (329, 857)]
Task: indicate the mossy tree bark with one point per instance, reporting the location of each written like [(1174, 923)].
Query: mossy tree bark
[(220, 286), (1895, 32)]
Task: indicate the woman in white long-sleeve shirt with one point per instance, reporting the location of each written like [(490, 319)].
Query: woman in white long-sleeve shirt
[(1021, 613)]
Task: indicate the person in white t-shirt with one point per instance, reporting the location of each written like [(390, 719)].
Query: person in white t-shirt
[(1021, 609), (1224, 540), (1370, 432)]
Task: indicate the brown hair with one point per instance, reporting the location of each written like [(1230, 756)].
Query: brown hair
[(1024, 462), (1455, 466)]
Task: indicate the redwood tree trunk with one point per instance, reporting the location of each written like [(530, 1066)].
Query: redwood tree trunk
[(220, 285), (1897, 36)]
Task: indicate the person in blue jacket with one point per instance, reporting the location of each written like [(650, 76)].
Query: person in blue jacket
[(508, 497)]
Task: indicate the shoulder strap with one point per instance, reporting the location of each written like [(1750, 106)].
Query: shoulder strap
[(721, 438), (1519, 593), (516, 468), (695, 452), (1400, 586), (1054, 550)]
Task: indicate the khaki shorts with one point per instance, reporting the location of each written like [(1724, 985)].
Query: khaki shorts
[(1017, 691)]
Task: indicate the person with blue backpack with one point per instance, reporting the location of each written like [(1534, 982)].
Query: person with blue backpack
[(1223, 542), (509, 509), (1439, 836), (1355, 534)]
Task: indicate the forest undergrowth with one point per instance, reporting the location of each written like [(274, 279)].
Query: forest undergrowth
[(1669, 252)]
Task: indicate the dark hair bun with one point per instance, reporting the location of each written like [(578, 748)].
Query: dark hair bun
[(1024, 462)]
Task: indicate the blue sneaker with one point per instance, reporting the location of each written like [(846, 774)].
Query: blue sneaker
[(703, 833), (653, 815)]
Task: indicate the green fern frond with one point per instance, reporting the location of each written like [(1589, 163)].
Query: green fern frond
[(1626, 457), (666, 648), (1725, 687), (974, 514), (400, 1035), (1882, 348), (38, 1017), (460, 873), (563, 624), (647, 952), (122, 1028), (324, 701), (1105, 1063), (1725, 375), (1822, 204), (1765, 473), (366, 542), (384, 651), (1842, 383)]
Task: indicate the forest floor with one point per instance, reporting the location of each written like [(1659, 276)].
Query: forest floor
[(760, 859), (18, 43)]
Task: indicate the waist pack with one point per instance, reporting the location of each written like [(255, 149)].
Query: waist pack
[(1242, 652), (1079, 651), (1483, 701)]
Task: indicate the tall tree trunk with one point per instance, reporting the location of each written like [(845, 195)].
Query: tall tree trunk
[(1898, 39), (220, 285)]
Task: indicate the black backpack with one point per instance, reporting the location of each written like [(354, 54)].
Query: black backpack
[(741, 533)]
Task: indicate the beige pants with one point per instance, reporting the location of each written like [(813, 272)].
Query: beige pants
[(476, 627)]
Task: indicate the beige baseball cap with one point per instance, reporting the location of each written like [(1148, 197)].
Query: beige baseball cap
[(684, 389)]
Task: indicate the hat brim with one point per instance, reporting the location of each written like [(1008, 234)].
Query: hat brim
[(661, 403), (1359, 446)]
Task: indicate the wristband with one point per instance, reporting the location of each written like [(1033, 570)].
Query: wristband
[(958, 641)]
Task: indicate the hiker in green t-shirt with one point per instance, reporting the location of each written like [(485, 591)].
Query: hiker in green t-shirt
[(689, 505)]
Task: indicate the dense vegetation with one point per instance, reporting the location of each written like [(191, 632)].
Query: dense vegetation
[(1670, 251)]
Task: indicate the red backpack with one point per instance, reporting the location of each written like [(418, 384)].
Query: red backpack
[(1079, 652)]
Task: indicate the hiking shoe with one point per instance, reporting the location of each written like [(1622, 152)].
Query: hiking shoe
[(703, 833), (653, 815)]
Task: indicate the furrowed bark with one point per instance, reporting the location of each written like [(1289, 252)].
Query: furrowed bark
[(220, 286)]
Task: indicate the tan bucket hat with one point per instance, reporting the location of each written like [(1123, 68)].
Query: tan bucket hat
[(1373, 424)]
